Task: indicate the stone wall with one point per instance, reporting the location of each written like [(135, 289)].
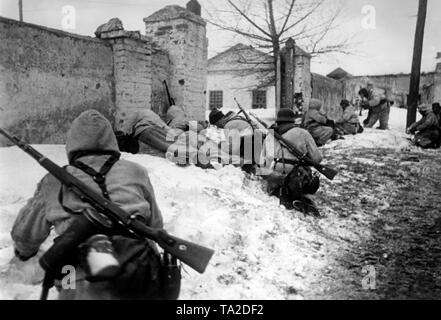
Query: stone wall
[(182, 35), (48, 77), (396, 86), (330, 92)]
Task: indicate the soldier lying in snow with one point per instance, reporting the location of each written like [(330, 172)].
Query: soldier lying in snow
[(91, 146), (175, 138), (285, 178), (427, 130)]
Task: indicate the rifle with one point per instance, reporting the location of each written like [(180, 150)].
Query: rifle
[(171, 101), (194, 255), (247, 117), (303, 159)]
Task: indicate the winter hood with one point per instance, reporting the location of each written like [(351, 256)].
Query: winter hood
[(425, 108), (175, 113), (315, 104), (90, 131)]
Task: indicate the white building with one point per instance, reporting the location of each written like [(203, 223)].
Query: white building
[(232, 74)]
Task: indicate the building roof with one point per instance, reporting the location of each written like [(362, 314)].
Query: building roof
[(173, 12), (338, 74), (239, 56), (242, 56), (238, 49)]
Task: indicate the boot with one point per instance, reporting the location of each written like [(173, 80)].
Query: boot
[(306, 206)]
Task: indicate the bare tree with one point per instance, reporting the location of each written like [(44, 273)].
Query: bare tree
[(268, 24)]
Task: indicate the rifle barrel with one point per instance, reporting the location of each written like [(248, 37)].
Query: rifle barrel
[(173, 245)]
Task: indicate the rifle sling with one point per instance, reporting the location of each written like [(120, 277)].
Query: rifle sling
[(98, 177)]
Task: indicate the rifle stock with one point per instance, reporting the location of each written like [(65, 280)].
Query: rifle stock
[(195, 256), (189, 253), (324, 170)]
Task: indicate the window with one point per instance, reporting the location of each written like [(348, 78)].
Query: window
[(216, 99), (259, 99)]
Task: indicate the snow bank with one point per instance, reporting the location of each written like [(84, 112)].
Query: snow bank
[(220, 209)]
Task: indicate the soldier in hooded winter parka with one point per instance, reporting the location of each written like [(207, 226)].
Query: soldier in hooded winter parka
[(317, 123), (426, 130), (349, 122), (178, 139), (378, 105), (90, 141)]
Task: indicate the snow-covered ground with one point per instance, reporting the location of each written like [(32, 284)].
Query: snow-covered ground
[(262, 250)]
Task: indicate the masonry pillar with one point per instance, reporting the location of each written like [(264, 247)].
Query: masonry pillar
[(296, 82), (288, 81), (132, 69), (182, 34)]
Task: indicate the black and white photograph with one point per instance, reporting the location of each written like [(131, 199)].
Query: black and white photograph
[(220, 150)]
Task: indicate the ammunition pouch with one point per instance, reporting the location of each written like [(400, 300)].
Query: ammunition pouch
[(170, 275)]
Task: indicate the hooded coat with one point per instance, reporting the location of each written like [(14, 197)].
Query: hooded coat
[(349, 122), (427, 129), (315, 122), (379, 110), (128, 185), (176, 118)]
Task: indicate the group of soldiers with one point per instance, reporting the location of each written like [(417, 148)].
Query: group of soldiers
[(94, 148)]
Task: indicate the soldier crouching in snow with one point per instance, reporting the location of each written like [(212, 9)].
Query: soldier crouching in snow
[(427, 130), (319, 126), (349, 123), (93, 156), (285, 177)]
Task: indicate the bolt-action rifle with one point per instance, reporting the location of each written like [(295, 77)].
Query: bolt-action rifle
[(303, 159), (194, 255), (171, 101)]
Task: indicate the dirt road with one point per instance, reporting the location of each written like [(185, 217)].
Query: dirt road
[(384, 218)]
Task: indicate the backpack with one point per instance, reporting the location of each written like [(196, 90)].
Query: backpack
[(144, 273), (301, 180)]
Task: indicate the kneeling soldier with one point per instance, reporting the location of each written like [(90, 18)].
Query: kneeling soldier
[(285, 177), (93, 154)]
